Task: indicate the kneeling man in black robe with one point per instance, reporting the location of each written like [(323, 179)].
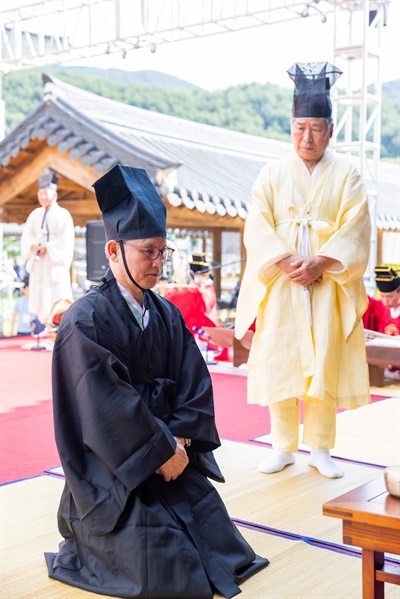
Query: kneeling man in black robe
[(135, 427)]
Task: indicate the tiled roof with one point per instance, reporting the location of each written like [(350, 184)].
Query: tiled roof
[(202, 167)]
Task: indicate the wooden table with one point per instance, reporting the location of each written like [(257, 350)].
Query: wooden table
[(371, 520), (383, 355), (379, 357)]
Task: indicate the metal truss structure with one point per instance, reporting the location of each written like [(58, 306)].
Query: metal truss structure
[(357, 107), (44, 32), (36, 33)]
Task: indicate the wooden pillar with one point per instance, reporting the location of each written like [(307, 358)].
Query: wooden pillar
[(242, 254), (217, 257), (379, 248)]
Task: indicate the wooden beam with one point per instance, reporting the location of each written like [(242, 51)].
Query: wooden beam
[(31, 169), (13, 215), (81, 220), (26, 175), (74, 170), (184, 218), (83, 206)]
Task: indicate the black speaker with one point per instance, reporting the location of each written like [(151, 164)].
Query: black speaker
[(96, 261)]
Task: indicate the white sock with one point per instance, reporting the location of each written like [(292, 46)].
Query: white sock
[(276, 462), (322, 461)]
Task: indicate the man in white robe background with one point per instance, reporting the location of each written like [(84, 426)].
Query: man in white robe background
[(307, 237), (47, 246)]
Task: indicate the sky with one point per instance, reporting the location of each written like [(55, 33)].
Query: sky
[(260, 54)]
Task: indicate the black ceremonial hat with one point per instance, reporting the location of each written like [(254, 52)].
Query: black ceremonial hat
[(131, 206), (48, 180), (199, 264), (313, 81), (386, 278)]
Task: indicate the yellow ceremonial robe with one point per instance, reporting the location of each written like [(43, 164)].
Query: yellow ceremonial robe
[(288, 357)]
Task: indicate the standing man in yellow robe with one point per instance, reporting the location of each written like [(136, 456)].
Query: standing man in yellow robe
[(307, 237)]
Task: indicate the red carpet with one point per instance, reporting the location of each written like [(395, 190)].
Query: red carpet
[(27, 446), (237, 420), (27, 443)]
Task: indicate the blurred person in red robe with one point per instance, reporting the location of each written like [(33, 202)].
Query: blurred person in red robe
[(198, 303), (383, 315), (202, 278)]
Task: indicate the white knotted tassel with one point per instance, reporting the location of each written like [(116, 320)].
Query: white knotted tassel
[(304, 249)]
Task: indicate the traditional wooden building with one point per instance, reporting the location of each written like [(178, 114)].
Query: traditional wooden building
[(203, 173)]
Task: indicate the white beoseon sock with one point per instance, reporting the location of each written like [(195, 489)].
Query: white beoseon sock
[(322, 461), (277, 462)]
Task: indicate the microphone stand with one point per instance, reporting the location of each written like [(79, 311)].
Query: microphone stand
[(38, 327)]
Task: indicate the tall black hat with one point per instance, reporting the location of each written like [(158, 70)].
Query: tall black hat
[(131, 206), (387, 279), (48, 180), (313, 81), (199, 265)]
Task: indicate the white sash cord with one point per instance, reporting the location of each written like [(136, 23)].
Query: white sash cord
[(304, 249)]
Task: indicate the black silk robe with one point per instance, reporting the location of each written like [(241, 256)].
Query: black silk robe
[(120, 395)]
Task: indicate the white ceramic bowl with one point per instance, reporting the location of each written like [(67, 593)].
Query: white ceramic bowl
[(391, 475)]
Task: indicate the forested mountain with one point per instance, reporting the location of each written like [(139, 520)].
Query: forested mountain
[(132, 77), (257, 109)]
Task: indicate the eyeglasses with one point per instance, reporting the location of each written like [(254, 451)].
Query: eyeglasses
[(153, 253)]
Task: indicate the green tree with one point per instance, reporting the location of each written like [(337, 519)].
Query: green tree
[(256, 109)]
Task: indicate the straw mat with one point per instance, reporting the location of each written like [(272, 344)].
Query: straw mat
[(288, 501), (370, 434)]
